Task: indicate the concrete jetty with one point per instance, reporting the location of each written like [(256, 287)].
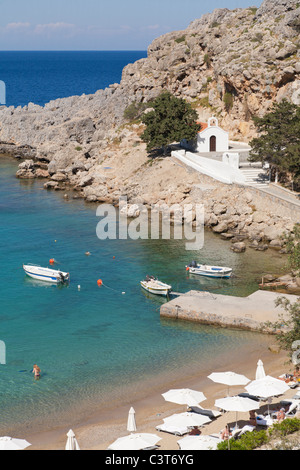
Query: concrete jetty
[(227, 311)]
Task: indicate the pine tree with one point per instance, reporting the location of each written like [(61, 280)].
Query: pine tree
[(279, 139), (171, 120)]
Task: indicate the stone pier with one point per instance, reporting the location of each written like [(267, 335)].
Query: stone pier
[(249, 313)]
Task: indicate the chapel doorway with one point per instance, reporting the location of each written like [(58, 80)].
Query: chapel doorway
[(213, 143)]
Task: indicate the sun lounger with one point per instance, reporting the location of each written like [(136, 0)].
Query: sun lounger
[(246, 428), (172, 429), (212, 414), (262, 420), (292, 410), (297, 396), (251, 397)]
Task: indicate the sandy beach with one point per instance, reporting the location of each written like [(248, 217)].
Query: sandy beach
[(99, 431)]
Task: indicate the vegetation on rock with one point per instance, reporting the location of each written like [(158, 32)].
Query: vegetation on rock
[(279, 139), (171, 120)]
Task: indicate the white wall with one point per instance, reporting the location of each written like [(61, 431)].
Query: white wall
[(222, 139), (218, 170)]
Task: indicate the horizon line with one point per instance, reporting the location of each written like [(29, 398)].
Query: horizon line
[(74, 50)]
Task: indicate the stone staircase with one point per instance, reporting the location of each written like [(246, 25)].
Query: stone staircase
[(255, 176)]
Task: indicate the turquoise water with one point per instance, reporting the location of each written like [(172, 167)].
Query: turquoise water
[(97, 343)]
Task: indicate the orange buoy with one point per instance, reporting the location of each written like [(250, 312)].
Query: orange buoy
[(99, 282), (51, 261), (187, 268)]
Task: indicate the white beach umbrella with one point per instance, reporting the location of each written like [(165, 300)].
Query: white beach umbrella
[(267, 387), (187, 419), (10, 443), (260, 371), (72, 443), (184, 396), (229, 378), (131, 424), (199, 443), (237, 404), (135, 442)]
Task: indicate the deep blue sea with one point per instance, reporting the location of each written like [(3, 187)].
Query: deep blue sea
[(40, 77), (95, 345)]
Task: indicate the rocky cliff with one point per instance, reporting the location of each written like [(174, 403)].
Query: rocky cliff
[(232, 63)]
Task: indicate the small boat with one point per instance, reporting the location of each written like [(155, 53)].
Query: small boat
[(154, 286), (46, 274), (210, 271)]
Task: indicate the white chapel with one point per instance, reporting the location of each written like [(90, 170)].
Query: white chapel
[(210, 138)]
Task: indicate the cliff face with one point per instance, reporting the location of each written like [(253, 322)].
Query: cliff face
[(230, 63), (233, 63)]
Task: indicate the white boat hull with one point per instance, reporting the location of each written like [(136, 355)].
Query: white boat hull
[(211, 271), (46, 274), (157, 288)]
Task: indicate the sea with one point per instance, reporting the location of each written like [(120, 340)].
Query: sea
[(96, 345)]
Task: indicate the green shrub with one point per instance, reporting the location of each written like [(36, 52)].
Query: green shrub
[(286, 427), (249, 441), (179, 40), (135, 110), (255, 439), (207, 60), (228, 101)]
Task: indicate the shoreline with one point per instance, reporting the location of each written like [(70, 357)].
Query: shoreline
[(102, 427), (97, 432)]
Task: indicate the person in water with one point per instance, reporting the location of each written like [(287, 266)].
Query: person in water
[(36, 371)]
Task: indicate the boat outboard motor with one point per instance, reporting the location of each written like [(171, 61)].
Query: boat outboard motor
[(193, 264), (62, 277)]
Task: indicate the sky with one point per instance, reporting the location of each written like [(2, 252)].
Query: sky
[(98, 24)]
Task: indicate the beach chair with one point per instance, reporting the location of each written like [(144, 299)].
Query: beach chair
[(172, 429), (292, 410), (262, 420), (297, 396), (252, 397), (212, 414), (246, 428)]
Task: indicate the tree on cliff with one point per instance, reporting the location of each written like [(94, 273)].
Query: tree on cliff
[(287, 328), (279, 139), (171, 120)]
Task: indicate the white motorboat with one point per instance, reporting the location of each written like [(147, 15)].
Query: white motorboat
[(46, 274), (210, 271), (154, 286)]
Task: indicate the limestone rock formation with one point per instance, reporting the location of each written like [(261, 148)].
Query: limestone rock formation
[(232, 63)]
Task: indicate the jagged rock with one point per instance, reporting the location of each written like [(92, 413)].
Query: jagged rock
[(86, 180), (227, 236), (238, 247), (219, 209), (50, 185), (27, 165), (277, 243), (40, 173), (59, 177), (131, 211), (25, 174), (220, 228), (273, 232)]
